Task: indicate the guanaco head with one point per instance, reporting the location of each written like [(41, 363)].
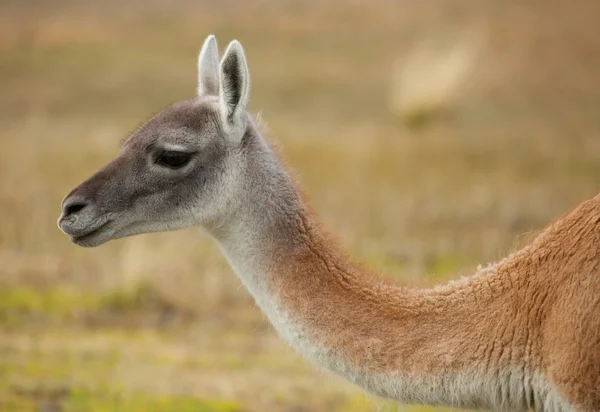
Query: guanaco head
[(184, 166)]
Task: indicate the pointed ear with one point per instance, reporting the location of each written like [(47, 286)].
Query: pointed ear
[(208, 68), (235, 88)]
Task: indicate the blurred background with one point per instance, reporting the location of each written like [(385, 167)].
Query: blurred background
[(431, 135)]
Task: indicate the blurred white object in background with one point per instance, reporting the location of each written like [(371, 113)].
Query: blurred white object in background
[(431, 77)]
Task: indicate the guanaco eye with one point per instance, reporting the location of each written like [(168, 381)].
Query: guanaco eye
[(173, 159)]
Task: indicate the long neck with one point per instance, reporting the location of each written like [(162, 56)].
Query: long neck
[(438, 346)]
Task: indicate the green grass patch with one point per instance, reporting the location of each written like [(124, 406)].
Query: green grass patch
[(444, 266), (22, 305), (80, 400), (20, 302), (77, 399)]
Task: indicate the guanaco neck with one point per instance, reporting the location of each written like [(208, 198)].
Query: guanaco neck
[(447, 345)]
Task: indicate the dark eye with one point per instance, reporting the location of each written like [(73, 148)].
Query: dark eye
[(173, 159)]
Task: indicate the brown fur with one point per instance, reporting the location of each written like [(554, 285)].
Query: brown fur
[(537, 310)]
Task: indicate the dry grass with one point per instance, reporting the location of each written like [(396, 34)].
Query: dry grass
[(160, 320)]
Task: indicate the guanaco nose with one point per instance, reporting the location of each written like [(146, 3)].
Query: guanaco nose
[(73, 205)]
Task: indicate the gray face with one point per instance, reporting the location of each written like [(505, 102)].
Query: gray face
[(170, 173), (183, 167)]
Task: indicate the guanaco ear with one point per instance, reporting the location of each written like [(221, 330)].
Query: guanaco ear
[(235, 87), (208, 68)]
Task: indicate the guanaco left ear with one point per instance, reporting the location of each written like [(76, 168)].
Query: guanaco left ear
[(234, 90), (208, 68)]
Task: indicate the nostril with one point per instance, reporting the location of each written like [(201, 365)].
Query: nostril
[(72, 208)]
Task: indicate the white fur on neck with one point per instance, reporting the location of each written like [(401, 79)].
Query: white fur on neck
[(506, 390)]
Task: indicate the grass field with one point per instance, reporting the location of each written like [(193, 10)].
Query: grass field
[(159, 322)]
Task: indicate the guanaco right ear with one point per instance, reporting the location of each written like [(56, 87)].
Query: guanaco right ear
[(208, 68), (234, 90)]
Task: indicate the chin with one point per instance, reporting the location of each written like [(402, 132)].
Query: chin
[(92, 240), (110, 232)]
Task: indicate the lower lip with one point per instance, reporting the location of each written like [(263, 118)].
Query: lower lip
[(78, 239)]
